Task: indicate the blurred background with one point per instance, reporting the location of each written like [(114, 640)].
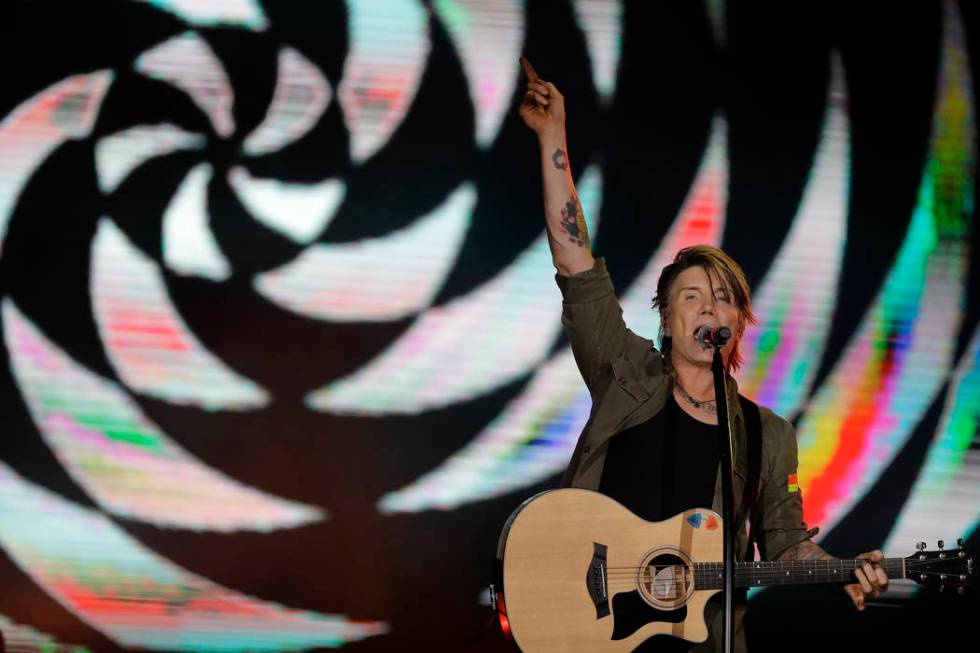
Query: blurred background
[(281, 343)]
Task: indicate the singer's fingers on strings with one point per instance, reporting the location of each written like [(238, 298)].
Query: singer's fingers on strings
[(532, 76)]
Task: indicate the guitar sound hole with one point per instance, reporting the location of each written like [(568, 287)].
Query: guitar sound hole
[(666, 579)]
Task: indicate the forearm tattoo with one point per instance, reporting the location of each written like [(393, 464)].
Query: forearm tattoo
[(805, 550), (573, 222), (558, 158)]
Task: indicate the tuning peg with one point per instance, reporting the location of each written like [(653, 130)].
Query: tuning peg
[(921, 546), (940, 544)]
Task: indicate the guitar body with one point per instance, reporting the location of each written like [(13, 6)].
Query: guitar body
[(583, 573)]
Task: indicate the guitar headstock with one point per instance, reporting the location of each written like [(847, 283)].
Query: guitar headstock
[(941, 568)]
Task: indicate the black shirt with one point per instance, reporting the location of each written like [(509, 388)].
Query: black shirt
[(664, 465)]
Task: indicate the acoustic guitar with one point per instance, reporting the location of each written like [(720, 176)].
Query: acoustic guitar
[(582, 573)]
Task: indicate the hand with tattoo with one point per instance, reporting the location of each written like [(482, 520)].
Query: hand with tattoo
[(543, 107), (871, 576)]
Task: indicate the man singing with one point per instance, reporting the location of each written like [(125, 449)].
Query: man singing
[(651, 440)]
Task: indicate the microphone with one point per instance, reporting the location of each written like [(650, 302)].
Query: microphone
[(709, 337)]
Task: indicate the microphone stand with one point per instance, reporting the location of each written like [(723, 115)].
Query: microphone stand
[(727, 493)]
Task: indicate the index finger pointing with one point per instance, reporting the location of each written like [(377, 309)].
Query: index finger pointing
[(532, 76)]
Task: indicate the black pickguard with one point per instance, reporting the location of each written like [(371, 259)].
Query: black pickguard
[(631, 612)]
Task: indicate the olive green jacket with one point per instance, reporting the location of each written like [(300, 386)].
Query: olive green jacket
[(626, 377)]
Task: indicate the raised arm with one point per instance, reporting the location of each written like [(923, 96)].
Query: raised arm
[(543, 109)]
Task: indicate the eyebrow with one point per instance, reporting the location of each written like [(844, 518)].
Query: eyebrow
[(717, 288)]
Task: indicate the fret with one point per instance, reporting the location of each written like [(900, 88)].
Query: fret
[(710, 575)]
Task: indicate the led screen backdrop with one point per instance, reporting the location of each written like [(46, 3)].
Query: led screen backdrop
[(281, 338)]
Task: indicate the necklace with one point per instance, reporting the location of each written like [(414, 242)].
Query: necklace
[(709, 405)]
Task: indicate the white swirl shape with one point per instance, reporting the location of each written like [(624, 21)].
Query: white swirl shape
[(389, 45), (118, 155), (187, 62), (150, 346), (298, 211), (602, 23), (376, 279), (488, 35), (412, 375), (247, 14), (189, 245), (300, 98)]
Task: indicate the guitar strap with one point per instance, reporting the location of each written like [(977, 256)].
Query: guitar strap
[(753, 435)]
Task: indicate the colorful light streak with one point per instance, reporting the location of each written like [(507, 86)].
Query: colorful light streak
[(139, 599), (30, 132), (945, 502), (898, 360), (19, 638), (794, 302), (124, 461)]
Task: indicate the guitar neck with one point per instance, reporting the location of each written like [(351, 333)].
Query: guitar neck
[(710, 575)]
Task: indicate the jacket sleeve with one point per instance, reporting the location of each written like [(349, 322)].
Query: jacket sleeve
[(780, 523), (593, 320)]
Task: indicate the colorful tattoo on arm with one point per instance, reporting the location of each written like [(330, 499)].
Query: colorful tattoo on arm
[(573, 222), (558, 158)]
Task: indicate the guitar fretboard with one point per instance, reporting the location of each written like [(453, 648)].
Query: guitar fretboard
[(710, 575)]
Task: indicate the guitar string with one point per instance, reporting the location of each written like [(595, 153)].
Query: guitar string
[(748, 573), (776, 575), (621, 581), (800, 565)]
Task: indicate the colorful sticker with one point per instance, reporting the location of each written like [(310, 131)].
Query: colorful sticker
[(792, 485), (694, 520), (712, 523)]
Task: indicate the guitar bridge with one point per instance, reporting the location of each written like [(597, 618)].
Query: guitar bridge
[(597, 581)]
